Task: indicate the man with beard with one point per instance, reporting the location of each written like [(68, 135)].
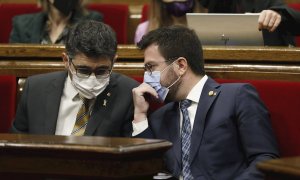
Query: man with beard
[(218, 131)]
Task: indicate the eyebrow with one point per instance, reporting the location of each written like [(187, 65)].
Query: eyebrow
[(100, 66)]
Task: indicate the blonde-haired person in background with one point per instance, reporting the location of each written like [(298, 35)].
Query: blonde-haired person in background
[(164, 13), (52, 24)]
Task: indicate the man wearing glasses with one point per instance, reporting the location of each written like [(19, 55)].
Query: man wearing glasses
[(218, 131), (86, 99)]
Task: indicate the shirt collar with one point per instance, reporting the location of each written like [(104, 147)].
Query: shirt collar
[(70, 90), (195, 93)]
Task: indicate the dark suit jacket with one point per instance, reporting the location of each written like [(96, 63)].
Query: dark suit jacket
[(38, 108), (29, 28), (288, 28), (231, 133)]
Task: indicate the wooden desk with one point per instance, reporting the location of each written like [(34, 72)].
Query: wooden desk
[(33, 156), (281, 169)]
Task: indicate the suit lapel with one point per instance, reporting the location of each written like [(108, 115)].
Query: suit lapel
[(53, 96), (101, 109), (208, 96)]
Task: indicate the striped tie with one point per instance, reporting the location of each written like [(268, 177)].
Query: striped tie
[(82, 118), (186, 140)]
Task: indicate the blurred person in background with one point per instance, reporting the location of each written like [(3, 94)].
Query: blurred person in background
[(52, 24), (165, 13)]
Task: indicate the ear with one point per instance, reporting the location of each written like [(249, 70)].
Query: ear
[(115, 59), (181, 65), (65, 60)]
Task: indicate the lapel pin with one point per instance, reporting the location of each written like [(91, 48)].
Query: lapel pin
[(108, 94), (210, 93), (104, 102)]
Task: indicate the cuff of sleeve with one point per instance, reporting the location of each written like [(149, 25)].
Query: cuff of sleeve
[(139, 127)]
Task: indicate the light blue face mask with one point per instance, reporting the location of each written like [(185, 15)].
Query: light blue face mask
[(153, 79)]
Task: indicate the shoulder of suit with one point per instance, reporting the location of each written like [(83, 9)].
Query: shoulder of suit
[(28, 17), (25, 19), (232, 88), (48, 76)]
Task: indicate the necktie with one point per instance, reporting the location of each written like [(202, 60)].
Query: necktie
[(82, 118), (186, 133)]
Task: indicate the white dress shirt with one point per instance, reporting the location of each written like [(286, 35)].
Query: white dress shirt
[(70, 104), (194, 96)]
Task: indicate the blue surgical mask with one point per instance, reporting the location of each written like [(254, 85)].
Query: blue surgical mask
[(153, 79)]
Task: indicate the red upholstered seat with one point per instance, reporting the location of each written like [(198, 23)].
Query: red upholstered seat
[(115, 15), (145, 12), (8, 85), (283, 102), (296, 6), (7, 12)]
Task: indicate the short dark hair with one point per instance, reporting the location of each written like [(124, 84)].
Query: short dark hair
[(92, 38), (177, 41)]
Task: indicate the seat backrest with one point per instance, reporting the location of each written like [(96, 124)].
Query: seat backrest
[(8, 89), (115, 15), (7, 12), (296, 6), (283, 102), (145, 13)]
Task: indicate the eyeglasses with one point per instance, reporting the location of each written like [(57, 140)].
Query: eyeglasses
[(149, 67), (85, 72)]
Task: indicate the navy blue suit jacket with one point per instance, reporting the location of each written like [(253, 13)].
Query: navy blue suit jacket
[(231, 133)]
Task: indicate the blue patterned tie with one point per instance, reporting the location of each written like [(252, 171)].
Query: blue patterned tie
[(186, 134)]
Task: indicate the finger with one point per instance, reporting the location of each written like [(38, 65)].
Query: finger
[(261, 19), (144, 89), (267, 19), (271, 22), (276, 23)]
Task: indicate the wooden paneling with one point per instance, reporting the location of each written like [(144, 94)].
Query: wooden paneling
[(281, 169), (221, 62)]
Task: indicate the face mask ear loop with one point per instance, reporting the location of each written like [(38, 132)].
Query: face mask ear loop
[(69, 64), (174, 82), (167, 67)]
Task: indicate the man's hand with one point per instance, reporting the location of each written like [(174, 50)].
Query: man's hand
[(269, 19), (141, 105)]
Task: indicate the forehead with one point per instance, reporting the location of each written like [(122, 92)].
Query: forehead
[(152, 54), (83, 59)]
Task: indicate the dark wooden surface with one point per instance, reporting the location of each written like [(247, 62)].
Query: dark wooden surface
[(40, 156), (220, 62), (281, 169)]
